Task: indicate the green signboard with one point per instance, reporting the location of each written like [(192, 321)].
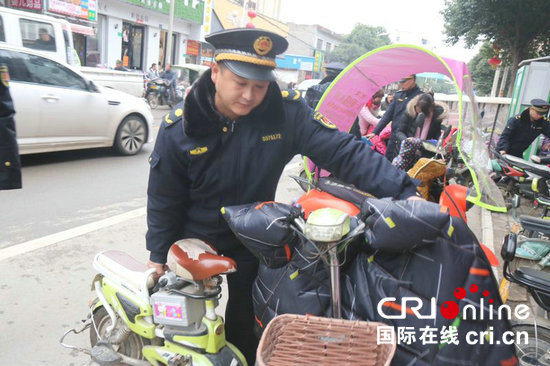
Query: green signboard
[(191, 10)]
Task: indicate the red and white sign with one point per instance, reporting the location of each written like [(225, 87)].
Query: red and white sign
[(26, 4)]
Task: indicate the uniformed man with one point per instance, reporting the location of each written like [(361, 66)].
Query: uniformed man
[(397, 108), (10, 166), (227, 144), (522, 129), (315, 92)]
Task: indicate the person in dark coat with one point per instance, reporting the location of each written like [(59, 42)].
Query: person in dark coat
[(315, 92), (227, 144), (10, 165), (522, 129), (422, 118), (397, 107)]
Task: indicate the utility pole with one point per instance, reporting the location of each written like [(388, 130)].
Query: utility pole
[(170, 29)]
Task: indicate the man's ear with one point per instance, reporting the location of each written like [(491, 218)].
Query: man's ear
[(215, 72)]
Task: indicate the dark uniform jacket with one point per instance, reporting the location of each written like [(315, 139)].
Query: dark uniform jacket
[(409, 121), (395, 109), (520, 133), (203, 161), (10, 166)]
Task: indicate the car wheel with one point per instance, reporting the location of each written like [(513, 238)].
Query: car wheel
[(130, 136)]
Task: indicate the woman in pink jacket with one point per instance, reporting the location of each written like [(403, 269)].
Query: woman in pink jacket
[(368, 116)]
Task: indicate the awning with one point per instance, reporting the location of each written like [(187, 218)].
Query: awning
[(87, 31)]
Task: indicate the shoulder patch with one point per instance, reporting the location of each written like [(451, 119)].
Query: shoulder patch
[(172, 118), (291, 94), (323, 121)]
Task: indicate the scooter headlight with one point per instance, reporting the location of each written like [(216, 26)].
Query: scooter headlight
[(327, 225)]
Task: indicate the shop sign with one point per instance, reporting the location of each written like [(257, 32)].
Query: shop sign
[(193, 47), (26, 4), (191, 10), (84, 9)]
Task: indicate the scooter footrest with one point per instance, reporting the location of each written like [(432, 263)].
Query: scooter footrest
[(104, 354)]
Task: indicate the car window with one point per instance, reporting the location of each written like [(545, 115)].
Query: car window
[(37, 35), (2, 33), (16, 67), (49, 72)]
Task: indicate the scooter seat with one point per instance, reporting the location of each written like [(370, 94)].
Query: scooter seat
[(535, 224), (533, 278), (128, 270), (193, 259), (538, 169)]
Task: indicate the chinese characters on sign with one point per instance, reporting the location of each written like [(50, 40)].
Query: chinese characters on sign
[(85, 9), (26, 4)]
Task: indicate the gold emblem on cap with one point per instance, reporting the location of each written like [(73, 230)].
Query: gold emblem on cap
[(263, 45)]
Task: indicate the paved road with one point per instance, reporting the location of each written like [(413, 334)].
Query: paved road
[(67, 189)]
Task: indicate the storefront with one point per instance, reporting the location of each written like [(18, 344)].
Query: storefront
[(136, 32), (82, 14), (132, 45)]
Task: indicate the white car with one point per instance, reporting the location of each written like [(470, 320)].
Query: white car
[(57, 108), (306, 84)]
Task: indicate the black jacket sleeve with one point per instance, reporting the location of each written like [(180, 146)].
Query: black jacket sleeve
[(10, 166), (167, 192), (504, 140), (404, 126), (348, 158), (386, 118)]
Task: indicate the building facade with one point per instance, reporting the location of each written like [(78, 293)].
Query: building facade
[(133, 31)]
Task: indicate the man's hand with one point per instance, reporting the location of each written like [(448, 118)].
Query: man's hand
[(370, 136), (415, 198), (502, 152), (159, 269)]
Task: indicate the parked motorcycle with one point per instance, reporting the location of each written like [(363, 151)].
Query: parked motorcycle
[(158, 93), (518, 177), (536, 350)]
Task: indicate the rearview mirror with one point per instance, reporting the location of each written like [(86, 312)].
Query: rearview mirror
[(508, 251), (92, 87)]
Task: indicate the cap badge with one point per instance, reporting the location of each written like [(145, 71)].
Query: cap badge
[(263, 45), (4, 76)]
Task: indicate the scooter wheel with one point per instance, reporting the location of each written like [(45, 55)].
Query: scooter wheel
[(130, 346), (153, 101)]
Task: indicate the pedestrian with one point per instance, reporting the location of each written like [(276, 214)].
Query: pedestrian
[(10, 165), (397, 107), (315, 92), (368, 116), (227, 143), (386, 102), (119, 67), (153, 72), (522, 129), (422, 119)]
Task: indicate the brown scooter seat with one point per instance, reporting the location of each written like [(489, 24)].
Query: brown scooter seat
[(193, 259)]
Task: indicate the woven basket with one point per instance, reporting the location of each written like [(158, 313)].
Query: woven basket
[(310, 340)]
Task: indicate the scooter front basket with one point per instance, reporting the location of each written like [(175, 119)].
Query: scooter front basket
[(311, 340)]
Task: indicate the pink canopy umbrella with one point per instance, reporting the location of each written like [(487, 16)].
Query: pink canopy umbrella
[(352, 88)]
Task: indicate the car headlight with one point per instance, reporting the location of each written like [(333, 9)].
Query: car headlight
[(327, 225)]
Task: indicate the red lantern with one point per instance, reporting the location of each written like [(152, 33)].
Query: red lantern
[(494, 62), (252, 14), (250, 25)]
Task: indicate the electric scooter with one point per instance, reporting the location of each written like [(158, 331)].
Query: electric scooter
[(132, 321)]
